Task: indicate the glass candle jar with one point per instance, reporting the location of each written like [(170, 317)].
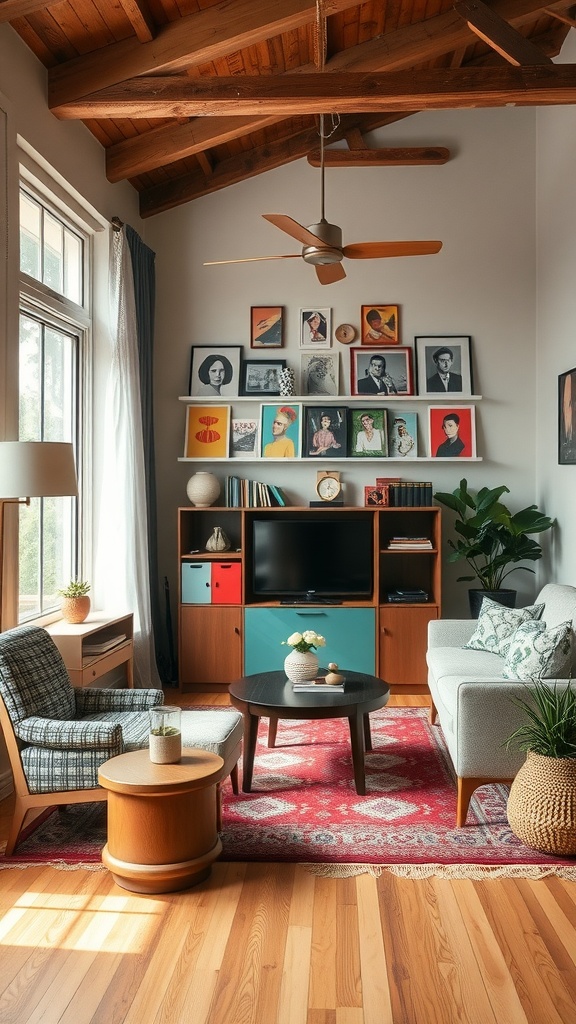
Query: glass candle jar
[(165, 734)]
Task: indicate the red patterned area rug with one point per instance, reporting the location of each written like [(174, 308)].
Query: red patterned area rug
[(304, 808)]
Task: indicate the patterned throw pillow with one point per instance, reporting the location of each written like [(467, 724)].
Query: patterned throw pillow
[(539, 653), (497, 625)]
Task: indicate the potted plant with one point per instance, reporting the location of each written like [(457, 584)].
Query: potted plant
[(75, 601), (492, 540), (542, 800)]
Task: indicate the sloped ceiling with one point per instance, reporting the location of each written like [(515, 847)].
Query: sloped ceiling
[(189, 97)]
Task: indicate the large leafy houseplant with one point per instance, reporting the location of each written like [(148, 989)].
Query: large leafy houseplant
[(492, 539)]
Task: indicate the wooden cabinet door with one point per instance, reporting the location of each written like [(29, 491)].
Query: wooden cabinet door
[(210, 645), (403, 645)]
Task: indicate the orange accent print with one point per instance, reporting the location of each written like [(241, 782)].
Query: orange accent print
[(208, 436)]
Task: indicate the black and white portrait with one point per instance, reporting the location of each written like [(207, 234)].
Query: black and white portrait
[(443, 365), (214, 372)]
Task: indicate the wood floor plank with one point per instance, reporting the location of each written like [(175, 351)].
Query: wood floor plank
[(324, 946), (376, 998), (293, 1000)]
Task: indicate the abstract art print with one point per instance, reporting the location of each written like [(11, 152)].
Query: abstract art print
[(207, 432)]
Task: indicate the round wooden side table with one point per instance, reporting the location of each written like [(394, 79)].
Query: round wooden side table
[(162, 833)]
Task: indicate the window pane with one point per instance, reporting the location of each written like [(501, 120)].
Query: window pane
[(30, 241), (73, 250), (30, 379), (53, 253), (29, 600)]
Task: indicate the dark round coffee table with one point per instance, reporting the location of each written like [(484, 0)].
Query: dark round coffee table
[(270, 695)]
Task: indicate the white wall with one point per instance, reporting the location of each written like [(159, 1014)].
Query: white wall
[(556, 313), (481, 204)]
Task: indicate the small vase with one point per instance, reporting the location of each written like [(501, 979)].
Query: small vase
[(165, 735), (217, 541), (75, 609), (203, 489), (301, 666), (287, 381), (542, 804)]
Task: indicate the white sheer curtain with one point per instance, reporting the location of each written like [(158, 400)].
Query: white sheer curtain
[(122, 559)]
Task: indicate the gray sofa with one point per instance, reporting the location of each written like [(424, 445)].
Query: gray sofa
[(472, 699)]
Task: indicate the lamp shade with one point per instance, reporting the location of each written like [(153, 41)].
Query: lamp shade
[(37, 469)]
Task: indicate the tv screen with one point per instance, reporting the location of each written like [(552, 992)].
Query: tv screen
[(317, 557)]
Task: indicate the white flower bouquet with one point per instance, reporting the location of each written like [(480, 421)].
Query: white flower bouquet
[(306, 641)]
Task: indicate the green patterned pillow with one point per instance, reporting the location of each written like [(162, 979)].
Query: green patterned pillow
[(539, 653), (497, 625)]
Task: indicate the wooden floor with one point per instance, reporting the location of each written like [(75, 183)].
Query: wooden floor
[(275, 944)]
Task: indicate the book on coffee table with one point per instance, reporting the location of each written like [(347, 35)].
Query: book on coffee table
[(317, 686)]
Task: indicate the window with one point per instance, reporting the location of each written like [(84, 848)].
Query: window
[(53, 353)]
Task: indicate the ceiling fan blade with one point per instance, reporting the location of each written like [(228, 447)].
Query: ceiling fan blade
[(254, 259), (327, 273), (378, 250), (292, 227)]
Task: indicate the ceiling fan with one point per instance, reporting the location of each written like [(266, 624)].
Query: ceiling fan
[(322, 242)]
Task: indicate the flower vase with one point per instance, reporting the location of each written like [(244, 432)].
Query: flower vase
[(301, 666)]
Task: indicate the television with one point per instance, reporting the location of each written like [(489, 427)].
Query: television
[(313, 558)]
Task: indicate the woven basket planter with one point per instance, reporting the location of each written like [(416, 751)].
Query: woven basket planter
[(542, 804)]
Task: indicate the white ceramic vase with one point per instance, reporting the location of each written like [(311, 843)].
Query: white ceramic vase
[(203, 489), (301, 666)]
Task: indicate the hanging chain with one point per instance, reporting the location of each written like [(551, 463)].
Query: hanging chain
[(320, 47)]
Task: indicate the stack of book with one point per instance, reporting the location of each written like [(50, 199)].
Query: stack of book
[(318, 686), (410, 544), (242, 493), (405, 596)]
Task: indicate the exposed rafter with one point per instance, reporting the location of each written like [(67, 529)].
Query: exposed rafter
[(494, 30)]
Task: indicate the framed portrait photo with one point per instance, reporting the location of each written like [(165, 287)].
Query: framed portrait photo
[(281, 430), (379, 325), (315, 328), (207, 432), (215, 371), (266, 326), (381, 373), (244, 438), (443, 364), (368, 433), (319, 372), (325, 432), (567, 418), (261, 376), (452, 431), (402, 434)]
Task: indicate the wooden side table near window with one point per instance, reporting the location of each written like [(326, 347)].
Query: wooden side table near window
[(92, 648)]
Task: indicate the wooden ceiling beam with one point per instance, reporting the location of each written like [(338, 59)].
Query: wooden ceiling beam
[(568, 16), (166, 196), (497, 33), (12, 9), (351, 93), (392, 156), (140, 17)]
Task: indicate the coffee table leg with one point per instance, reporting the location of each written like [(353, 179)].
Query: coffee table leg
[(272, 729), (250, 737), (367, 736), (356, 723)]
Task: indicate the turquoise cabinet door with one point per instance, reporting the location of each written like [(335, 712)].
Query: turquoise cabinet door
[(196, 587), (350, 636)]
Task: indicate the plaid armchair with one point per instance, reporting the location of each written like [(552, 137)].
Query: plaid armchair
[(57, 737)]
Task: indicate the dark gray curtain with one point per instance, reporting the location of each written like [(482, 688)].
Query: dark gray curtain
[(144, 273)]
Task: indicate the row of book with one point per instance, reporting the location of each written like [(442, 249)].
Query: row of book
[(240, 493), (399, 493)]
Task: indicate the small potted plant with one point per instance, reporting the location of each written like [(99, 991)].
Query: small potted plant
[(542, 800), (75, 604), (492, 540)]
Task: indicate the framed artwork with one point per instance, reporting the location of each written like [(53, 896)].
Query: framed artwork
[(281, 430), (325, 432), (567, 418), (443, 364), (368, 433), (452, 431), (379, 325), (261, 376), (373, 495), (319, 373), (402, 434), (215, 371), (266, 326), (315, 328), (244, 438), (383, 373), (207, 432)]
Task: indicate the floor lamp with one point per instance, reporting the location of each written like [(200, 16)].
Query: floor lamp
[(33, 469)]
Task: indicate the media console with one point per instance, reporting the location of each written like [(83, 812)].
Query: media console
[(231, 619)]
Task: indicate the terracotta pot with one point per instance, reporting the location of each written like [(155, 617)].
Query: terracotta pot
[(542, 804), (75, 609)]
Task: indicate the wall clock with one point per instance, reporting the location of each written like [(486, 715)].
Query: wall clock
[(345, 333)]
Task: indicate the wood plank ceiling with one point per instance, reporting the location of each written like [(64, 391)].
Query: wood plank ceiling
[(190, 96)]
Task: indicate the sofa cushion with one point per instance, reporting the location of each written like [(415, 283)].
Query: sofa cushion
[(497, 624), (536, 652)]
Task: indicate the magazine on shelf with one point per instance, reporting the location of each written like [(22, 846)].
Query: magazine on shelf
[(104, 645)]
